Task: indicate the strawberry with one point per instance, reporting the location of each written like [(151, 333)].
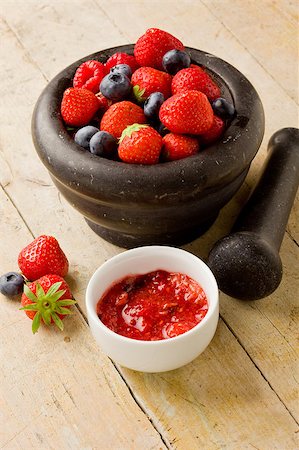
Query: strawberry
[(47, 300), (195, 78), (152, 46), (178, 146), (147, 80), (187, 113), (121, 58), (140, 144), (89, 75), (119, 116), (104, 102), (78, 106), (214, 133), (42, 256)]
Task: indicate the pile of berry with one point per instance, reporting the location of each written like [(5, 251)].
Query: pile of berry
[(152, 107), (45, 295)]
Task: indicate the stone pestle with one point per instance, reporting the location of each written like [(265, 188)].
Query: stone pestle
[(246, 263)]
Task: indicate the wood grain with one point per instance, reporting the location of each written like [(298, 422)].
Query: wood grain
[(57, 389)]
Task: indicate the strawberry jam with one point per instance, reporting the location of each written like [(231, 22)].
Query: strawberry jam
[(157, 305)]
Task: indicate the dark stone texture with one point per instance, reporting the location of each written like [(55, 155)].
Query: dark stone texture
[(172, 202), (246, 263)]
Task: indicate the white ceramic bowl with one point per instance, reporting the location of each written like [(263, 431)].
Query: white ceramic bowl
[(153, 356)]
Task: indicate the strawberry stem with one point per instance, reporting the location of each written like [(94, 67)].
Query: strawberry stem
[(47, 305), (138, 93), (127, 132)]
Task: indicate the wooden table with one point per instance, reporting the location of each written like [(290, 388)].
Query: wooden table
[(57, 389)]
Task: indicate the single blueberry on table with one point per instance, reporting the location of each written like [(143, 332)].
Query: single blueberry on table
[(11, 284), (103, 144), (223, 108), (116, 86), (152, 105), (83, 135), (175, 60), (122, 68)]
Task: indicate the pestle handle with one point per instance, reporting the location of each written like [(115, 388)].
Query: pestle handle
[(268, 209), (246, 263)]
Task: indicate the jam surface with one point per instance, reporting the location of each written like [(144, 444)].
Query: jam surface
[(157, 305)]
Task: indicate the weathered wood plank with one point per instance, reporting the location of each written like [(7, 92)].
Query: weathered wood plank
[(57, 389), (266, 34), (217, 402)]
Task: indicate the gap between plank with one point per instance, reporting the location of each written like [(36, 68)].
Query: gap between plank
[(257, 367), (246, 49)]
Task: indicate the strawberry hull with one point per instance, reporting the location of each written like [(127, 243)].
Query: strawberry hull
[(169, 203)]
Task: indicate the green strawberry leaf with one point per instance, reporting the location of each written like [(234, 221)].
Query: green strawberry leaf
[(31, 307), (29, 294), (56, 296), (65, 302), (138, 93), (57, 321), (39, 290), (54, 288), (64, 311), (46, 315), (134, 128), (36, 322)]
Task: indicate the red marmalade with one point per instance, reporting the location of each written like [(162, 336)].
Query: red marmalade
[(157, 305)]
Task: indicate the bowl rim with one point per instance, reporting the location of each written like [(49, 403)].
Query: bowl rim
[(93, 175), (143, 251)]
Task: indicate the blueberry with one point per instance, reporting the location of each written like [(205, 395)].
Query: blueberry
[(115, 86), (175, 60), (11, 283), (223, 108), (152, 105), (122, 68), (161, 128), (103, 144), (83, 135)]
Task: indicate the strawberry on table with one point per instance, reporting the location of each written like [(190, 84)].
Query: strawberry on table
[(43, 256), (140, 144), (119, 116), (89, 75), (147, 80), (178, 146), (152, 46), (187, 113), (121, 58), (78, 106), (47, 300), (195, 78)]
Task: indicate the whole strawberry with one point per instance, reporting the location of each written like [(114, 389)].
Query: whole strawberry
[(152, 46), (41, 257), (78, 106), (147, 80), (178, 146), (47, 300), (195, 78), (119, 116), (121, 58), (140, 144), (89, 75), (214, 133), (187, 113)]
